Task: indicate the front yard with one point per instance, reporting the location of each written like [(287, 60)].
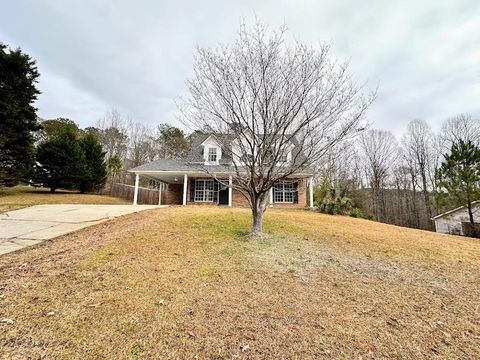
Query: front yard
[(187, 283), (22, 196)]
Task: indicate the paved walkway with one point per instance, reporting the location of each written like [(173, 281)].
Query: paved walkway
[(32, 225)]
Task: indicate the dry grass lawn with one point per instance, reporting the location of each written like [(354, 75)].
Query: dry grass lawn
[(22, 196), (187, 283)]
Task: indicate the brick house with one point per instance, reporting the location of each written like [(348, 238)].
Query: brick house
[(189, 180)]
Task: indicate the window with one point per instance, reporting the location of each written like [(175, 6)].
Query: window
[(285, 191), (212, 154), (283, 157), (204, 190)]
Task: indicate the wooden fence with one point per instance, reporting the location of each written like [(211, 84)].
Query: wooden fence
[(145, 196)]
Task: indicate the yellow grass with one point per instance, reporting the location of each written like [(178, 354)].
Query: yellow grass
[(187, 283), (22, 196)]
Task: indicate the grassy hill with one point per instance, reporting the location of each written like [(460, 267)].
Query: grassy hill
[(187, 283), (22, 196)]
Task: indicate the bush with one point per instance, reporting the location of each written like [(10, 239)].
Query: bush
[(471, 230), (332, 204)]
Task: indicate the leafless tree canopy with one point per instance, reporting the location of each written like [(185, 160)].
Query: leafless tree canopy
[(461, 127), (392, 182), (268, 96), (419, 149), (135, 143), (380, 152)]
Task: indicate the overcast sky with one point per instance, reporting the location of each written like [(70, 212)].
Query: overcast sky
[(136, 55)]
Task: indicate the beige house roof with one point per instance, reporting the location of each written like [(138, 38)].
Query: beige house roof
[(454, 210)]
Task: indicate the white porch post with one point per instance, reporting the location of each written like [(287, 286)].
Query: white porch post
[(270, 194), (135, 192), (230, 192), (310, 191), (185, 183)]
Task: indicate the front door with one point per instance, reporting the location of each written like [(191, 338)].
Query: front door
[(223, 195)]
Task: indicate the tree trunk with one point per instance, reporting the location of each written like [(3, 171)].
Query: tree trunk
[(111, 185), (258, 209), (470, 213)]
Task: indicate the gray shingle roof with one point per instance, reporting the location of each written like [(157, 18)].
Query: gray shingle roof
[(180, 165), (194, 160)]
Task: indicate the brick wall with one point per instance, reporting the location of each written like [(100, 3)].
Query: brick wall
[(240, 200), (174, 194)]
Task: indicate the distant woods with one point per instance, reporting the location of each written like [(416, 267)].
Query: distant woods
[(123, 143), (396, 180), (135, 144)]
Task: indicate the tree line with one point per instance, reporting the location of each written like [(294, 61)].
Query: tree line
[(406, 180)]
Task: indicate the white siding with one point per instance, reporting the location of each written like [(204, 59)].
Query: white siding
[(452, 223)]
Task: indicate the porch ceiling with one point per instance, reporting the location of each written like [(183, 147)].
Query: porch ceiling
[(173, 177), (167, 178)]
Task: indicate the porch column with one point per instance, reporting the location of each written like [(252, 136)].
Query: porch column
[(135, 192), (310, 191), (270, 195), (185, 184), (230, 192)]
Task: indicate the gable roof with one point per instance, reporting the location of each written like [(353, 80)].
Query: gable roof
[(194, 161), (195, 155), (454, 210)]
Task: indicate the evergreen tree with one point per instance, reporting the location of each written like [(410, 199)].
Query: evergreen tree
[(114, 165), (94, 169), (18, 120), (54, 127), (458, 177), (61, 162)]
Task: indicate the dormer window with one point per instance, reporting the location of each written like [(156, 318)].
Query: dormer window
[(212, 155), (284, 158)]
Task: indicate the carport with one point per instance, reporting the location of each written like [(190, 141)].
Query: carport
[(175, 186)]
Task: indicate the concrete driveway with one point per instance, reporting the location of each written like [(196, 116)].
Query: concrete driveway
[(32, 225)]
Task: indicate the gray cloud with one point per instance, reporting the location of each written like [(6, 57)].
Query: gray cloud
[(136, 56)]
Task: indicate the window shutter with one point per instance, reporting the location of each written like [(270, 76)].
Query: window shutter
[(295, 192), (216, 187), (192, 190)]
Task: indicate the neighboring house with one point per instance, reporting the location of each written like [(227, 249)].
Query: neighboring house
[(190, 180), (450, 222)]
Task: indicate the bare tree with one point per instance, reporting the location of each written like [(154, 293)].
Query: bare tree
[(461, 127), (274, 102), (418, 143), (339, 168), (380, 151), (140, 144), (113, 134)]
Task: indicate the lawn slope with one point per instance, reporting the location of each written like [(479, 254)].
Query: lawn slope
[(187, 283), (23, 196)]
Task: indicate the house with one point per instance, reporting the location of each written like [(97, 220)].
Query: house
[(191, 180), (450, 222)]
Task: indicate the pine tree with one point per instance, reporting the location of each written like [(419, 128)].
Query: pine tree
[(458, 178), (18, 119), (94, 169)]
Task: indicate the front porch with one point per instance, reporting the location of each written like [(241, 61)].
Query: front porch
[(176, 188), (193, 188)]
